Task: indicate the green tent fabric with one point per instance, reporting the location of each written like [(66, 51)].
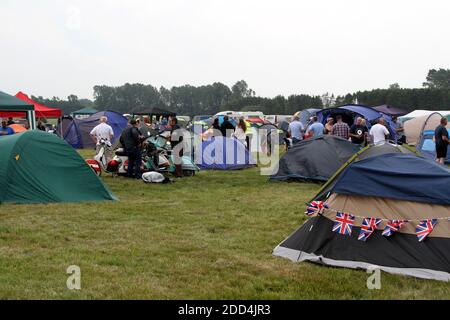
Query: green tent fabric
[(11, 103), (39, 167), (84, 111)]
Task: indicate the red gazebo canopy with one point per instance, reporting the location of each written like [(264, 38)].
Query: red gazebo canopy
[(40, 110)]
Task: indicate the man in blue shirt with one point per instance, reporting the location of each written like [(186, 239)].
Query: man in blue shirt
[(5, 130), (316, 128), (296, 129)]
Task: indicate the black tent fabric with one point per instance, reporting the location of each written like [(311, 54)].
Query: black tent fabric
[(314, 159), (402, 255), (389, 110)]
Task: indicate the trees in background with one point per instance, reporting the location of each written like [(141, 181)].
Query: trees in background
[(212, 98), (70, 105), (191, 100), (408, 99), (438, 79)]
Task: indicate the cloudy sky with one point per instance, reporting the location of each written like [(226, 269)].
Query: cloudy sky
[(59, 47)]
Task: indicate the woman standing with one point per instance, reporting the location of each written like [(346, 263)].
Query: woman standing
[(329, 125), (239, 133)]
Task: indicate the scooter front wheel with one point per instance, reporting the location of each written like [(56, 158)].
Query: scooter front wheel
[(188, 173)]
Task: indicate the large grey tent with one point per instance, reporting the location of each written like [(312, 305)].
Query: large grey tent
[(306, 114), (314, 159)]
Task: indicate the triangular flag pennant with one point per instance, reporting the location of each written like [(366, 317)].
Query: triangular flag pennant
[(393, 226), (424, 228), (369, 225), (315, 208), (344, 223)]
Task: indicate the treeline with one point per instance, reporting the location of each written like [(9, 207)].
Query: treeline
[(210, 99), (191, 100), (184, 100), (67, 106), (408, 99)]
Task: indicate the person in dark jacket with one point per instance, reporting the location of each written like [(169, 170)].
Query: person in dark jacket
[(176, 140), (131, 140), (441, 139), (216, 125), (227, 127)]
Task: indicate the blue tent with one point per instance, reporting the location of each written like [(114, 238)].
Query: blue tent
[(221, 153), (350, 111), (76, 131), (397, 176)]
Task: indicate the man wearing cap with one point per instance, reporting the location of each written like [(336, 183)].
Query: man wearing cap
[(296, 129), (5, 130)]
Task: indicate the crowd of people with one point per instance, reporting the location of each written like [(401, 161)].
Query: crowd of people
[(358, 133), (7, 127), (227, 129)]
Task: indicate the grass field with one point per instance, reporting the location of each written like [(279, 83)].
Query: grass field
[(206, 237)]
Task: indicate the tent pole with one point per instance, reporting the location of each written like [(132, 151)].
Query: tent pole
[(31, 119)]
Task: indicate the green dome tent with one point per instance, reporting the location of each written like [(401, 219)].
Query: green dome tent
[(39, 167)]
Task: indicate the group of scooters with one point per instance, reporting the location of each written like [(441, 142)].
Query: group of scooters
[(156, 157)]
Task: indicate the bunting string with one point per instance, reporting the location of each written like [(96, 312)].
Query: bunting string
[(344, 222), (325, 206)]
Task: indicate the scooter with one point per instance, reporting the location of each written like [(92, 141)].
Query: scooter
[(117, 165), (158, 156)]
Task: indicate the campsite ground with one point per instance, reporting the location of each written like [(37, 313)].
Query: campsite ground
[(206, 237)]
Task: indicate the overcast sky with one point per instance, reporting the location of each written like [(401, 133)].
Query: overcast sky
[(58, 47)]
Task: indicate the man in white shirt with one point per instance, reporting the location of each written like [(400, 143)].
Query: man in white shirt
[(102, 131), (379, 132)]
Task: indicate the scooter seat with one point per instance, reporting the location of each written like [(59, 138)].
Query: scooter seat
[(121, 153)]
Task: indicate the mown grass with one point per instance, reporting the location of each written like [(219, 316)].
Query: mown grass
[(205, 237)]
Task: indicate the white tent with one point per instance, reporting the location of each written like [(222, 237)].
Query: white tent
[(421, 113)]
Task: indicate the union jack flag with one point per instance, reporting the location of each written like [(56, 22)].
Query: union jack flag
[(315, 207), (343, 223), (424, 228), (369, 225), (393, 226)]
